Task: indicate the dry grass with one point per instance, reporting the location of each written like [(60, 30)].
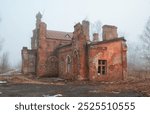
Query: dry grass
[(140, 85), (27, 80)]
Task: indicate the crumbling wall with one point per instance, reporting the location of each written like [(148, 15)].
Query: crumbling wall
[(65, 66), (52, 44), (52, 66), (75, 58), (111, 52), (41, 51), (80, 38), (77, 53), (28, 61), (47, 61)]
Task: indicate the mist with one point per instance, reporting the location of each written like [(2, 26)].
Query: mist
[(17, 19)]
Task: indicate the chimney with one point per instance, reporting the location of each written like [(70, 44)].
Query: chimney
[(24, 48), (42, 30), (85, 25), (109, 32), (95, 37)]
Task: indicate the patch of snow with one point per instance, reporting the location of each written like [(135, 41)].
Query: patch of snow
[(94, 91), (115, 92), (57, 95), (3, 82)]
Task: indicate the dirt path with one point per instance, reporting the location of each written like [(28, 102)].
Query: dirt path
[(29, 86)]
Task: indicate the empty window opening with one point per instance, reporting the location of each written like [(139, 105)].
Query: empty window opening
[(102, 67), (68, 64)]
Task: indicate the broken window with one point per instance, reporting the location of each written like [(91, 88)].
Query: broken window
[(102, 67)]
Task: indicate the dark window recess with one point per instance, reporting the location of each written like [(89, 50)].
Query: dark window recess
[(102, 67), (68, 64)]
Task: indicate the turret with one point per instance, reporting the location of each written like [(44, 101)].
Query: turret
[(38, 19)]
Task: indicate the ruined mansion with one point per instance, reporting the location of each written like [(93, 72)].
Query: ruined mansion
[(72, 55)]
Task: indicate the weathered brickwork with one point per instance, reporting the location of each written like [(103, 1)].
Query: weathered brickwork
[(73, 56), (112, 52), (28, 61)]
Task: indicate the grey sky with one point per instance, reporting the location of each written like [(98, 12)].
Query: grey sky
[(18, 18)]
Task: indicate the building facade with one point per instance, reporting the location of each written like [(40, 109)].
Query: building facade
[(71, 55)]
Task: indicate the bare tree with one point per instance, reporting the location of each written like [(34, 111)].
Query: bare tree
[(18, 66), (4, 61), (4, 66), (145, 37), (1, 40), (95, 28), (1, 43)]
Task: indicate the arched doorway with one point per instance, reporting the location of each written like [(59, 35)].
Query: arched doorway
[(52, 67)]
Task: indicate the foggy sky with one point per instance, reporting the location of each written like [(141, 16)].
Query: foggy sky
[(17, 18)]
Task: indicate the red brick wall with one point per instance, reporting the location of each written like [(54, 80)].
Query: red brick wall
[(115, 56), (79, 44), (28, 61), (47, 61), (78, 68), (41, 51), (79, 63), (53, 43), (83, 71), (25, 59), (52, 61), (63, 54), (53, 56)]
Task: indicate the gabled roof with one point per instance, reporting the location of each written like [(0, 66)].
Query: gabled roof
[(59, 35)]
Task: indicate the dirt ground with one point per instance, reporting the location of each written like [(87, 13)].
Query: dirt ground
[(31, 86)]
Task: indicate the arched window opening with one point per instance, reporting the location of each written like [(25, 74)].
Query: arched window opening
[(68, 66), (75, 63)]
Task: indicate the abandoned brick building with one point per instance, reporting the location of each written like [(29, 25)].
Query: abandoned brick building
[(71, 55)]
